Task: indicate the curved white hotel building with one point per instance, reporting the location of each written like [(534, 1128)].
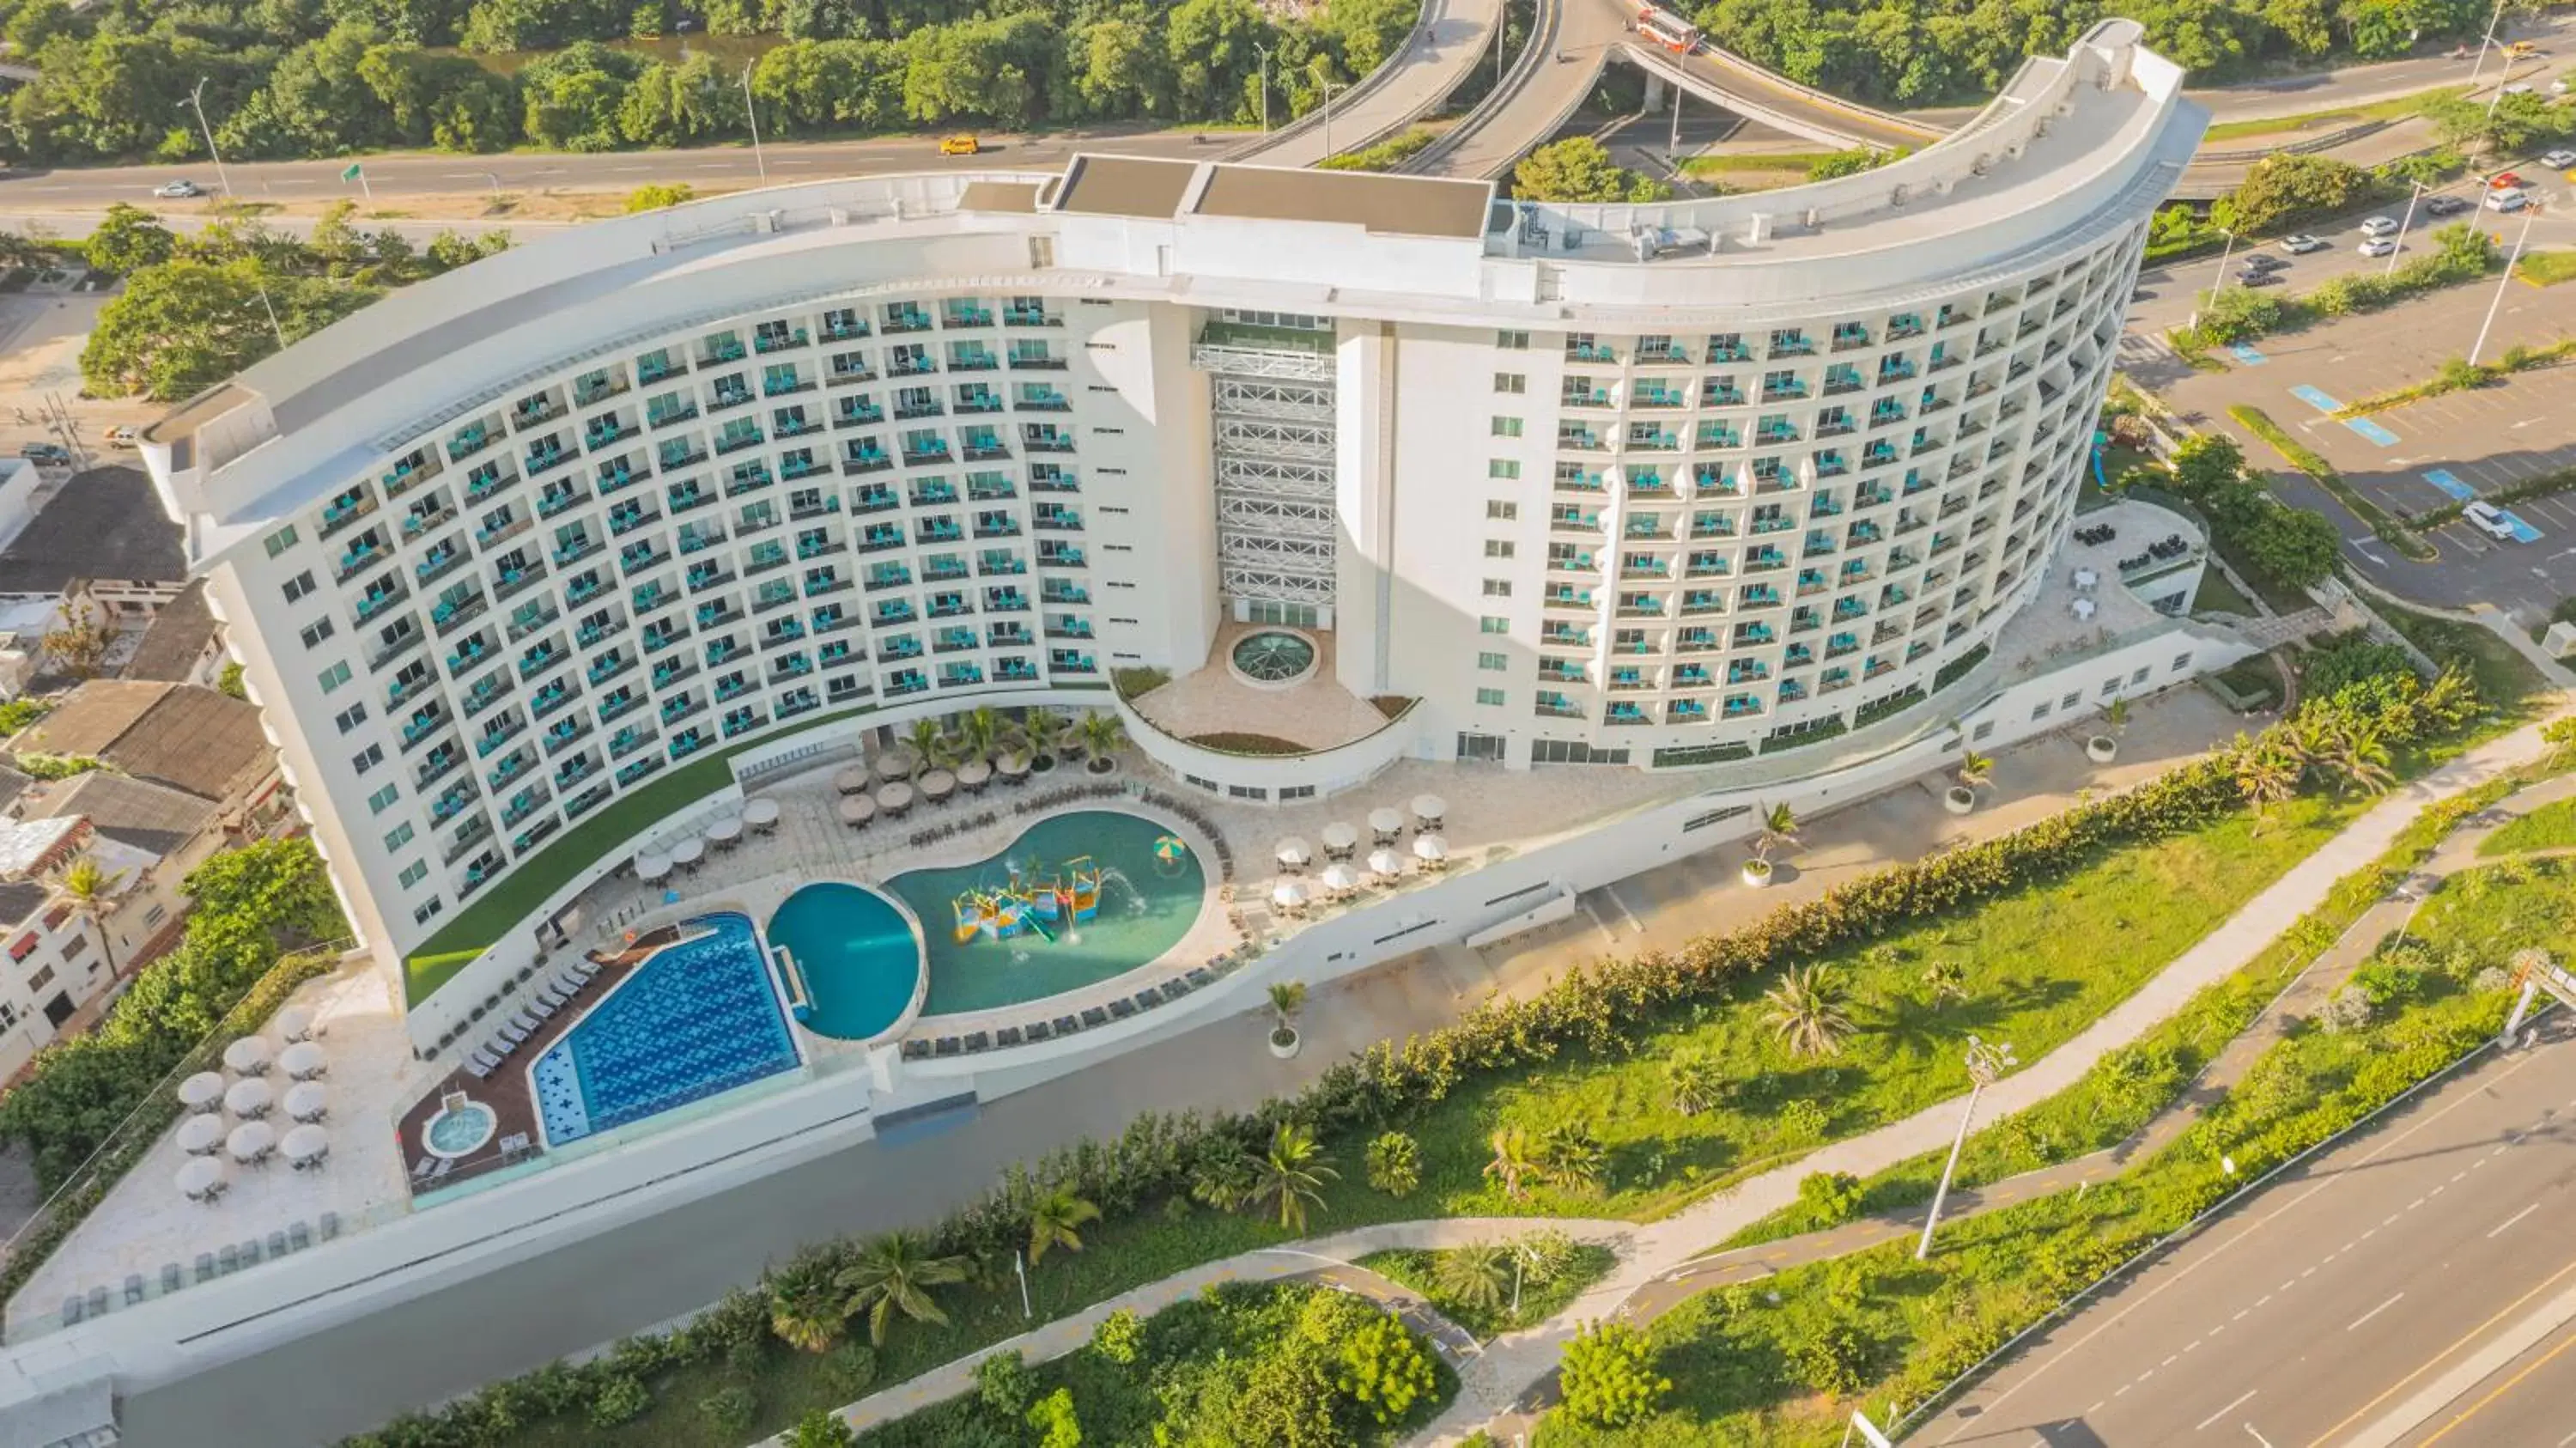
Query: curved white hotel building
[(1641, 486)]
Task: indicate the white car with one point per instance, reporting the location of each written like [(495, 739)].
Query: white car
[(2559, 160), (2301, 244), (2378, 246), (2508, 198), (177, 189), (2379, 226), (2485, 518)]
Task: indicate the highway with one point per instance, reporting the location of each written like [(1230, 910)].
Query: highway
[(2365, 1298), (1445, 45)]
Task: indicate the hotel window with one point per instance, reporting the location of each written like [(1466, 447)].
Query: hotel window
[(1498, 548), (1492, 625), (279, 541), (299, 587), (1493, 663), (426, 911), (350, 718), (333, 677), (1512, 382), (1507, 469), (383, 799), (398, 837), (367, 758), (1512, 341), (1489, 697), (414, 873), (1498, 588), (1507, 427), (1500, 511), (314, 633)]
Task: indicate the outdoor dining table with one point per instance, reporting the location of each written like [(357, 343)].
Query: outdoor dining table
[(203, 1091), (307, 1101), (251, 1142), (305, 1147), (857, 810), (973, 775), (247, 1056), (303, 1061), (202, 1179), (853, 780), (295, 1023), (897, 764), (248, 1098), (937, 785)]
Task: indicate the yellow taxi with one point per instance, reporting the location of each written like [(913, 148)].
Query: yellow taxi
[(961, 144)]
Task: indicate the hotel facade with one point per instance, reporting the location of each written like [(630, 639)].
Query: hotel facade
[(1659, 486)]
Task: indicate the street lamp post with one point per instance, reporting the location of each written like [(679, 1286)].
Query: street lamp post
[(2403, 223), (2220, 285), (1987, 1062), (1020, 1264), (1329, 88), (1673, 144), (751, 113), (2530, 213), (197, 102), (2485, 43), (1264, 52)]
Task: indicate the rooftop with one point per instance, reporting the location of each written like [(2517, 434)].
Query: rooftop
[(190, 738), (106, 523), (176, 640), (1394, 205), (1125, 186), (32, 848), (133, 812)]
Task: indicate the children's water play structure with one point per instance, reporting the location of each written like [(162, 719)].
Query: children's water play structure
[(1031, 902)]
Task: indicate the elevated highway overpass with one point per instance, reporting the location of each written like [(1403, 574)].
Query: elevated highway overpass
[(1435, 59)]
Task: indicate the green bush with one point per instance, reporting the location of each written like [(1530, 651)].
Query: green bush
[(1120, 1337), (729, 1410), (1004, 1383), (619, 1400), (1829, 1198), (1394, 1162), (1607, 1379)]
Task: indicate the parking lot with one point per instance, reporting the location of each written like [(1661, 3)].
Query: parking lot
[(2424, 454)]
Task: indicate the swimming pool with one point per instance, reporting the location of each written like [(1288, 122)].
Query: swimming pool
[(694, 1019), (1134, 889), (857, 953)]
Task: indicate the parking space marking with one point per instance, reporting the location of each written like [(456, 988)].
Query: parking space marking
[(2316, 398), (2452, 487), (2522, 532), (2246, 354), (2373, 431)]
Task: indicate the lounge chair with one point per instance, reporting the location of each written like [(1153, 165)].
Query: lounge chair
[(476, 1069), (487, 1058), (527, 1020), (543, 1010), (514, 1034), (555, 997)]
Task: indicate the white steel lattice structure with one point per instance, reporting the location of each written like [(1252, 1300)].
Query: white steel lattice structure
[(1661, 483)]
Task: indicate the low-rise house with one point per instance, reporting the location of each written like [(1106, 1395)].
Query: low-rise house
[(56, 971)]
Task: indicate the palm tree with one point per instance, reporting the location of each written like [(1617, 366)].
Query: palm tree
[(1975, 769), (1045, 730), (1806, 1011), (1696, 1082), (2358, 750), (1101, 734), (1054, 1221), (1287, 998), (1944, 981), (1570, 1157), (1292, 1173), (91, 887), (1779, 832), (980, 731), (1515, 1161), (928, 742), (806, 1307), (2450, 700), (2268, 771), (893, 1274), (2117, 716), (1479, 1276)]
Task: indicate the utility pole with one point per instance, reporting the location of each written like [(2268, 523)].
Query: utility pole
[(2487, 42), (2221, 285), (751, 113), (2402, 225), (197, 100), (1673, 146), (1264, 52), (1986, 1065), (2530, 213), (1329, 88)]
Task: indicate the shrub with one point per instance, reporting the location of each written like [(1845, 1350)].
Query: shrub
[(729, 1410), (1005, 1383), (620, 1399), (1834, 1360), (1053, 1417), (850, 1368), (2352, 659), (1120, 1337), (658, 195), (1394, 1162), (1385, 1370), (820, 1429), (1608, 1378), (2347, 1011), (1830, 1198)]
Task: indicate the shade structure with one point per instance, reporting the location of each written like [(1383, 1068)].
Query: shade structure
[(895, 798), (1170, 847), (201, 1134), (306, 1143), (1013, 764), (248, 1098), (203, 1091), (1338, 876), (1386, 864), (725, 831), (897, 764), (251, 1141), (302, 1061), (1288, 893), (249, 1056), (1386, 821), (1295, 851), (1431, 849), (295, 1023), (307, 1101), (853, 780), (652, 869), (200, 1178), (1430, 808), (974, 774), (937, 785), (688, 852), (857, 809), (1339, 836), (760, 814)]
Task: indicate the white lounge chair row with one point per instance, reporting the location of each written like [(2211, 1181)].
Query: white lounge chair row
[(549, 998)]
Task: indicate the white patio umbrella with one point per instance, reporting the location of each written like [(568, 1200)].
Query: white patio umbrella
[(1338, 877), (295, 1023), (201, 1178), (248, 1098), (1339, 836), (302, 1061), (307, 1101), (306, 1144), (1294, 851), (652, 869), (201, 1134), (725, 831), (897, 763), (1386, 864), (857, 809), (1430, 849), (974, 774), (1431, 809), (251, 1141), (853, 780), (895, 798), (937, 785), (203, 1091), (1386, 821), (1013, 764), (249, 1056), (688, 852), (1288, 894), (760, 814)]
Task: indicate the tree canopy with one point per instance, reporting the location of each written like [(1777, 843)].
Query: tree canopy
[(1579, 168)]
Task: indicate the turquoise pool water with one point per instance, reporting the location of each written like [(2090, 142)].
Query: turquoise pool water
[(856, 954), (1150, 891)]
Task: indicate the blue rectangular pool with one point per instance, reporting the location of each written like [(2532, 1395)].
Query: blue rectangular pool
[(694, 1019)]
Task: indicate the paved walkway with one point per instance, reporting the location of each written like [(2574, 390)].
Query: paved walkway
[(1513, 1370)]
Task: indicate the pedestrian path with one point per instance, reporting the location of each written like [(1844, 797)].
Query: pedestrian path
[(1513, 1369)]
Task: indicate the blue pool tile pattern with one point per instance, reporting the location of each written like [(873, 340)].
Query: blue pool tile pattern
[(694, 1019)]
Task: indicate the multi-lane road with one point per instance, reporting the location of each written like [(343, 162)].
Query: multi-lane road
[(2414, 1281)]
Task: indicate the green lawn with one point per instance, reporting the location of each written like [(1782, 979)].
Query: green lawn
[(2550, 827), (1737, 164), (2335, 118), (2505, 678), (2547, 268), (2217, 595), (1539, 1299)]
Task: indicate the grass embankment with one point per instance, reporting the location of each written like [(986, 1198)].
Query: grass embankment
[(2381, 524), (2504, 677), (2461, 375), (1386, 155), (2217, 595), (2396, 108), (1784, 1360), (2550, 827)]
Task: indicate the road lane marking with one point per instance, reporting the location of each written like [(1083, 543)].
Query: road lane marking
[(2502, 1388), (2259, 1438), (2374, 1312), (2456, 1344), (2223, 1412), (2509, 1221)]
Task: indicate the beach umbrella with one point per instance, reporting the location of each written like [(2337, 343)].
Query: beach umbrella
[(306, 1144), (1386, 864), (857, 809), (725, 831), (974, 774), (249, 1055), (295, 1023), (1288, 894), (895, 798), (688, 852), (1294, 852), (1386, 821), (652, 869), (203, 1091), (760, 814), (1338, 876), (303, 1061), (201, 1134), (250, 1141), (307, 1101), (248, 1098), (1169, 847), (937, 785), (1430, 808), (1339, 836), (1431, 849), (202, 1177), (852, 780), (897, 763)]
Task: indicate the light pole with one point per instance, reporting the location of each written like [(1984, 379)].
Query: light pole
[(495, 178), (1987, 1062), (2485, 42), (2530, 213), (1329, 88), (1020, 1264), (2403, 223), (1673, 145), (2224, 253), (1264, 52), (751, 113), (197, 101)]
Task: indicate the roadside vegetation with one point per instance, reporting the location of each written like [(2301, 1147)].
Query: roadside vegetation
[(2280, 549), (2547, 268), (2459, 374), (2461, 253), (1386, 155), (1579, 168), (2299, 455), (1499, 1288)]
